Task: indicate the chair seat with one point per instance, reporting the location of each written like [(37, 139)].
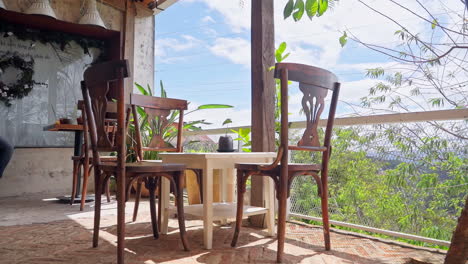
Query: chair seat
[(143, 166), (291, 166), (103, 158)]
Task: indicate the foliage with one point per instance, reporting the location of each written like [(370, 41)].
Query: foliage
[(312, 8), (62, 40), (384, 178), (243, 135), (227, 122), (149, 128)]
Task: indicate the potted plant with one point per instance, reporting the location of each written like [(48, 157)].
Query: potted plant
[(225, 143)]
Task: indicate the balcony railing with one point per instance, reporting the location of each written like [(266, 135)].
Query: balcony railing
[(402, 175)]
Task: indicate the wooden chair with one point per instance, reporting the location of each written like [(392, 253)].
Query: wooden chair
[(314, 83), (95, 87), (157, 110), (85, 161)]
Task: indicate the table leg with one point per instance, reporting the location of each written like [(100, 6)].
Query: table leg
[(230, 185), (165, 189), (269, 197), (208, 205), (222, 183), (77, 152), (222, 190)]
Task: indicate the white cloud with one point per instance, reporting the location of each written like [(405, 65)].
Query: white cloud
[(165, 46), (208, 19), (236, 50), (316, 42)]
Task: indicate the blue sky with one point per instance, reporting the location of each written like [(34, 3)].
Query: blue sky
[(203, 50)]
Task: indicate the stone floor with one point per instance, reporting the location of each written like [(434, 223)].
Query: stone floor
[(38, 230)]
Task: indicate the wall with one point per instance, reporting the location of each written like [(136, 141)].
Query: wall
[(35, 170)]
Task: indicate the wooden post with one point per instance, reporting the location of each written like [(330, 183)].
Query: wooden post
[(129, 49), (458, 251), (263, 91)]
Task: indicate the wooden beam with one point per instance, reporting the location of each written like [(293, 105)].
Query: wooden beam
[(411, 117), (263, 90), (118, 4)]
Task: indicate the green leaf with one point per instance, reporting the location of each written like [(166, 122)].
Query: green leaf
[(434, 23), (277, 57), (279, 52), (227, 121), (150, 91), (311, 8), (213, 106), (299, 6), (436, 101), (288, 9), (322, 7), (244, 132), (141, 89), (343, 39), (163, 91), (281, 48)]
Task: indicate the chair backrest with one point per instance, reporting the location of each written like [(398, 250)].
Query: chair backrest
[(110, 123), (100, 113), (160, 114), (314, 83)]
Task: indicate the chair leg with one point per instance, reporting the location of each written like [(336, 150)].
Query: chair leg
[(240, 205), (137, 199), (282, 204), (76, 165), (108, 190), (85, 184), (151, 185), (121, 198), (325, 217), (97, 207), (179, 192), (159, 183)]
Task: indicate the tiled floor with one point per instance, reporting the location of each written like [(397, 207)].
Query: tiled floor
[(42, 231)]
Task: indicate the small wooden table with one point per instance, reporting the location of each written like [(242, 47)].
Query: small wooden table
[(226, 209), (78, 129)]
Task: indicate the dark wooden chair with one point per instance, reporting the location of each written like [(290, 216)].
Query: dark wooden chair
[(85, 161), (157, 110), (95, 87), (314, 83)]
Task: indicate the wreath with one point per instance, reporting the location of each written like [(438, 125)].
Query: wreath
[(24, 84)]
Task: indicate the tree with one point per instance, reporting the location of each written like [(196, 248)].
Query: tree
[(430, 176)]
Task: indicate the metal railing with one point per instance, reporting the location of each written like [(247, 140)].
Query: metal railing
[(401, 150)]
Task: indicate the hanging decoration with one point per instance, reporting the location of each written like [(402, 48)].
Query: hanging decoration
[(24, 83), (92, 16), (41, 7)]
